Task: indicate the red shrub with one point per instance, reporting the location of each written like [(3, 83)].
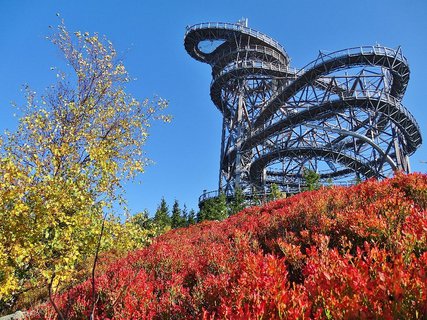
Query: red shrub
[(335, 253)]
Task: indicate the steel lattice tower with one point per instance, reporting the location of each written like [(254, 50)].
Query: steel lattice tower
[(340, 115)]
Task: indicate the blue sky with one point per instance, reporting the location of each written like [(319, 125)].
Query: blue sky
[(149, 35)]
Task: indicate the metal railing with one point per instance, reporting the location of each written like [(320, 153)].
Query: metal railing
[(356, 51), (252, 48), (242, 65), (288, 189), (237, 27)]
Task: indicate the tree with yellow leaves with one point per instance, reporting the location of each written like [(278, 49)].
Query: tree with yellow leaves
[(63, 168)]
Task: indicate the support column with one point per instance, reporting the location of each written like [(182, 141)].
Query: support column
[(238, 171), (221, 160)]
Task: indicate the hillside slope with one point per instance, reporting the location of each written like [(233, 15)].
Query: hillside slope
[(335, 253)]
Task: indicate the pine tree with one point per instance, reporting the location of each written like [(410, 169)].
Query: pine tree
[(184, 216), (162, 218), (176, 219), (238, 203), (213, 209), (311, 178), (191, 219), (201, 216), (221, 208)]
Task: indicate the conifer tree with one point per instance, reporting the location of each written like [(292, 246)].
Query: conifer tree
[(311, 178), (176, 219), (238, 203), (191, 219), (201, 213), (162, 218), (213, 209), (184, 216)]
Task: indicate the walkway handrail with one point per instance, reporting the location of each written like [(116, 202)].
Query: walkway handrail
[(292, 188), (237, 27), (355, 51)]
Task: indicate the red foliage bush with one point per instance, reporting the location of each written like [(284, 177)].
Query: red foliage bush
[(335, 253)]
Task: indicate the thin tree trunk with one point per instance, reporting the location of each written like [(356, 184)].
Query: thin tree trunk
[(60, 315), (94, 297)]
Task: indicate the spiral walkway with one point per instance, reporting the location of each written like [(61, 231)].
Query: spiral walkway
[(341, 115)]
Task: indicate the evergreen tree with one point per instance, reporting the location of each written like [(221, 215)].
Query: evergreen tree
[(213, 209), (162, 218), (201, 216), (191, 219), (311, 178), (177, 220), (184, 216), (238, 203), (221, 208)]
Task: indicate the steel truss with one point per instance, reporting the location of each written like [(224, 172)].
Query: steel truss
[(340, 115)]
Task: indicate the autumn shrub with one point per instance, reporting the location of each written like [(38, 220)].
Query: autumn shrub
[(334, 253)]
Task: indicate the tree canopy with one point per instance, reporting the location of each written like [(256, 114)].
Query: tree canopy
[(64, 166), (162, 217), (213, 209)]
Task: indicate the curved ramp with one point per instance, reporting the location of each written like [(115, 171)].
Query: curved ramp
[(343, 109)]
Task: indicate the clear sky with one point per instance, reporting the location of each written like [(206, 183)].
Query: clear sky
[(149, 35)]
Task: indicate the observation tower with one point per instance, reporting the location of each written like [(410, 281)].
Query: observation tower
[(341, 115)]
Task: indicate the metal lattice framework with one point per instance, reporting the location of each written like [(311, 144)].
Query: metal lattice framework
[(340, 115)]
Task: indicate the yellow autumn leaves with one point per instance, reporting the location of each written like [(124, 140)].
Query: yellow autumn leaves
[(62, 171)]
